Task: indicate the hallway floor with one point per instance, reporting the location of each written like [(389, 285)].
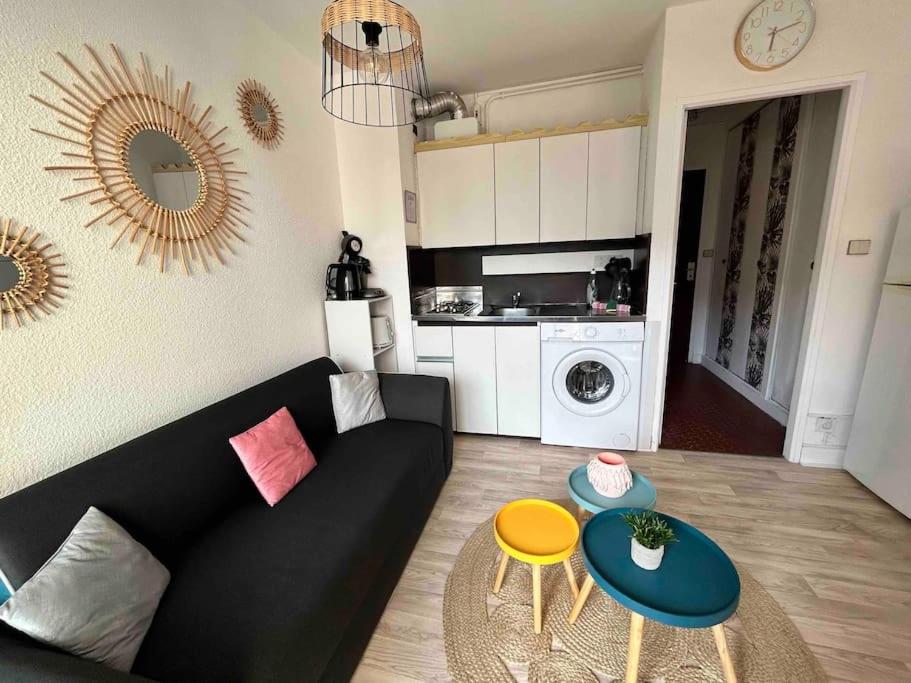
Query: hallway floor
[(702, 413)]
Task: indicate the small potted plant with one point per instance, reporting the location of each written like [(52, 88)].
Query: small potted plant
[(650, 534)]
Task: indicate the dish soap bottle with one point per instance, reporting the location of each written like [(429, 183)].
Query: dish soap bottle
[(591, 291)]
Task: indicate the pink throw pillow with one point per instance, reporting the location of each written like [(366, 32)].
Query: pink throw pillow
[(275, 455)]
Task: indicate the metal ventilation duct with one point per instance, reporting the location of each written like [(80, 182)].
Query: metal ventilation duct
[(435, 105)]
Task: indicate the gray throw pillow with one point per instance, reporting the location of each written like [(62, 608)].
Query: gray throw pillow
[(95, 597), (356, 400)]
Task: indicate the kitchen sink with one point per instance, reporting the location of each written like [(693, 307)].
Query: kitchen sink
[(509, 312)]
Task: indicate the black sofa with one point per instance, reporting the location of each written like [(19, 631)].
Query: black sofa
[(290, 593)]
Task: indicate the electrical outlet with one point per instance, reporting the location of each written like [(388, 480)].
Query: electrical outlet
[(830, 431)]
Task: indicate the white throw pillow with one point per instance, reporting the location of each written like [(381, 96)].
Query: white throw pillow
[(95, 597), (356, 400)]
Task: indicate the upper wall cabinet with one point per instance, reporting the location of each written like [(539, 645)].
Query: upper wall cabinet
[(564, 179), (613, 183), (457, 196), (517, 169), (543, 186)]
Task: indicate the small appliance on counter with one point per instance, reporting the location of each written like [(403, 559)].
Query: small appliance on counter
[(347, 279)]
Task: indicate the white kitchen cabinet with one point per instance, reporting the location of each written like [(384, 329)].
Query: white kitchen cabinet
[(518, 380), (475, 371), (564, 177), (613, 183), (432, 341), (440, 369), (516, 172), (457, 196)]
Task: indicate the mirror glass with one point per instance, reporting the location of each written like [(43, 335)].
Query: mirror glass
[(260, 113), (163, 170), (9, 273)]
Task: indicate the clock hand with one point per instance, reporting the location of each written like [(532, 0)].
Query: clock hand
[(789, 26), (773, 33)]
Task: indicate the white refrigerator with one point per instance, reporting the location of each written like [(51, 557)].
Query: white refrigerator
[(879, 448)]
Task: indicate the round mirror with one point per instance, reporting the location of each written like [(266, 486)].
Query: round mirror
[(163, 170), (261, 114), (10, 275)]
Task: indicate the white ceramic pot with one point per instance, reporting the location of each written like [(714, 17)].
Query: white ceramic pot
[(645, 557), (609, 474)]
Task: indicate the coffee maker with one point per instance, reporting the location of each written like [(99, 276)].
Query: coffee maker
[(347, 279)]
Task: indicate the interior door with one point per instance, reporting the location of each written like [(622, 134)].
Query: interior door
[(690, 222)]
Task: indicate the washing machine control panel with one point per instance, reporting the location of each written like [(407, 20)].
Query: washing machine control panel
[(592, 332)]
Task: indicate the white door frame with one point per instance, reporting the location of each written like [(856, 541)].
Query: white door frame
[(851, 86)]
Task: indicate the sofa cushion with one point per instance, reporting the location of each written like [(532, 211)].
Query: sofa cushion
[(168, 486), (356, 400), (269, 592), (95, 597), (275, 455)]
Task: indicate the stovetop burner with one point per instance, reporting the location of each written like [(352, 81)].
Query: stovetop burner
[(459, 307)]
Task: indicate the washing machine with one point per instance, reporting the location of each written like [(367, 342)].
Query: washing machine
[(590, 376)]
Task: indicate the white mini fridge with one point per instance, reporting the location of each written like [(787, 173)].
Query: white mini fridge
[(879, 448)]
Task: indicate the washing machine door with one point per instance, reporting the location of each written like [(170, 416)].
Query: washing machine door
[(590, 382)]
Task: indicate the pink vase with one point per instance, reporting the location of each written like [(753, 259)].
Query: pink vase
[(609, 474)]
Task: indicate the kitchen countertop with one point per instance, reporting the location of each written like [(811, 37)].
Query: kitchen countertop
[(561, 314)]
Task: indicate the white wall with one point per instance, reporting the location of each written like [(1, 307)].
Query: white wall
[(373, 163), (705, 151), (132, 349), (849, 38), (565, 102)]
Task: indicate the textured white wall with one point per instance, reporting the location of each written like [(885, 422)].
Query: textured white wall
[(132, 349)]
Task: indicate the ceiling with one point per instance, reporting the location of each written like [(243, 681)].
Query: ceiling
[(476, 45)]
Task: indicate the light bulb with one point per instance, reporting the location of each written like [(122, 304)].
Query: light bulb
[(373, 66)]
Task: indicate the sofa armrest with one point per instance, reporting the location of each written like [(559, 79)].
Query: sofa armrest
[(420, 398), (22, 659)]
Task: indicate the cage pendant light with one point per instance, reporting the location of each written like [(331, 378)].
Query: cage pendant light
[(373, 62)]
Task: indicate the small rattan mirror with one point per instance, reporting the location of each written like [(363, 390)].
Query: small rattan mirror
[(30, 277), (260, 113)]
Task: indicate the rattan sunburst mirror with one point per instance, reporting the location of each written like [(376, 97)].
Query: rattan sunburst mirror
[(150, 161), (260, 113), (30, 276)]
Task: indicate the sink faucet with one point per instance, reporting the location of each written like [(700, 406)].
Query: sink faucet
[(515, 299)]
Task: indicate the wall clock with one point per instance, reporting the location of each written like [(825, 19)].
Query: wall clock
[(774, 32)]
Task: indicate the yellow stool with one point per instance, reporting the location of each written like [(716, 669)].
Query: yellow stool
[(537, 532)]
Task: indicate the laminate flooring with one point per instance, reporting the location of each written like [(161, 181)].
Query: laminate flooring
[(835, 557)]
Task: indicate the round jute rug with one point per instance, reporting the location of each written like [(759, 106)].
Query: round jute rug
[(491, 638)]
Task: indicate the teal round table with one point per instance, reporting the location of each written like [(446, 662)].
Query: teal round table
[(696, 585), (641, 495)]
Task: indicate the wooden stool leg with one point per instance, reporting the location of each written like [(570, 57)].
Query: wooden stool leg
[(571, 577), (536, 594), (580, 600), (727, 666), (635, 645), (501, 572)]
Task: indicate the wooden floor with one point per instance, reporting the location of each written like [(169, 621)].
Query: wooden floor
[(836, 558)]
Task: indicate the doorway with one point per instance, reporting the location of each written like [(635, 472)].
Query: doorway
[(752, 196)]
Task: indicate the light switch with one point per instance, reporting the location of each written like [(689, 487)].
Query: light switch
[(708, 253), (858, 247)]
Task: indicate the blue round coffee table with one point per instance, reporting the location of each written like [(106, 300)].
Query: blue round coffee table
[(696, 585), (641, 495)]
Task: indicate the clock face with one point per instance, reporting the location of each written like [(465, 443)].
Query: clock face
[(774, 32)]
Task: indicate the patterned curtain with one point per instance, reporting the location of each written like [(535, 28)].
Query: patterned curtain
[(735, 248), (773, 231)]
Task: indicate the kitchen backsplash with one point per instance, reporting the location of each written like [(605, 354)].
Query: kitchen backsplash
[(463, 266)]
